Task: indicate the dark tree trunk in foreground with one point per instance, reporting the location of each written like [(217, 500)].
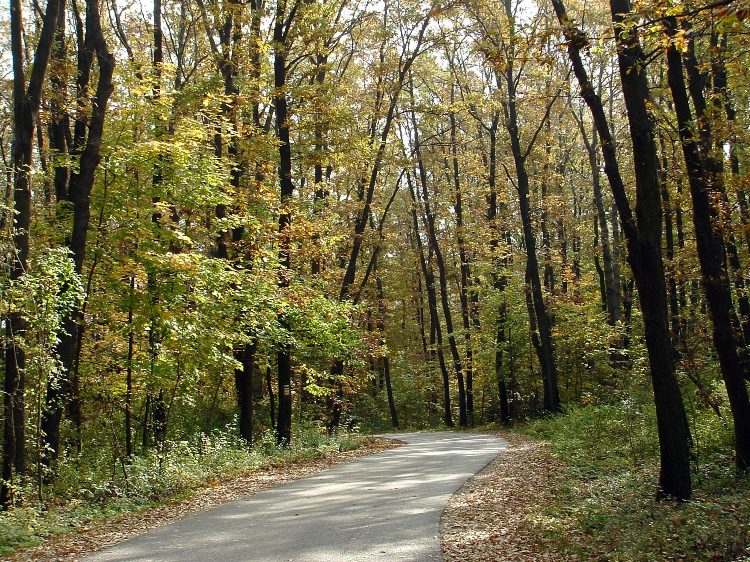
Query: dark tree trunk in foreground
[(64, 391), (26, 99), (711, 251), (643, 237), (281, 28), (244, 380), (648, 267)]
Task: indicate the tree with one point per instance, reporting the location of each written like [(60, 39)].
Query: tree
[(87, 142), (539, 317), (704, 178), (283, 20), (643, 234), (26, 98)]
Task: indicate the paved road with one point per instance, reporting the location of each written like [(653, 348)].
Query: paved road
[(382, 507)]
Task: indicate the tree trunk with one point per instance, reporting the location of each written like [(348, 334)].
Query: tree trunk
[(674, 305), (643, 238), (59, 127), (674, 434), (436, 329), (429, 220), (129, 372), (385, 360), (64, 392), (368, 193), (611, 289), (244, 381), (711, 252), (465, 269), (284, 424), (26, 99), (271, 397), (545, 350)]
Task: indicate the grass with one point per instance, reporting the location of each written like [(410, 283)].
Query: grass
[(603, 506), (98, 488)]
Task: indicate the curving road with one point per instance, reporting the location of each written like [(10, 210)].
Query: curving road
[(383, 507)]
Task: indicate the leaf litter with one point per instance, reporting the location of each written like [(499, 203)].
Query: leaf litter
[(491, 517)]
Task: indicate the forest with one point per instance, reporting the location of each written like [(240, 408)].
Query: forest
[(232, 225)]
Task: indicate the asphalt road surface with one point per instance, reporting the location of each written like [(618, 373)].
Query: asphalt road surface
[(383, 507)]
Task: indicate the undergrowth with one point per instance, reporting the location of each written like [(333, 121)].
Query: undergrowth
[(604, 507), (99, 486)]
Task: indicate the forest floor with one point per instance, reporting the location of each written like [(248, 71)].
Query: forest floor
[(488, 519), (96, 535), (572, 490)]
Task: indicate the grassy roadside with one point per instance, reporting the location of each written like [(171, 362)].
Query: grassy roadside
[(601, 505), (86, 511)]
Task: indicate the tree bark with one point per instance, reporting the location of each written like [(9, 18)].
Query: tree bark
[(642, 233), (244, 382), (26, 100), (64, 392), (384, 358), (465, 269), (545, 350), (284, 363), (611, 289), (429, 220), (436, 329), (711, 251)]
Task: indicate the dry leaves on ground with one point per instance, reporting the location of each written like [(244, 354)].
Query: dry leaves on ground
[(488, 518), (101, 534)]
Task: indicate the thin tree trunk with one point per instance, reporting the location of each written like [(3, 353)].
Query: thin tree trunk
[(436, 330), (674, 306), (129, 372), (385, 359), (59, 127), (429, 220), (545, 349), (465, 268), (337, 369), (271, 397), (611, 289), (284, 363)]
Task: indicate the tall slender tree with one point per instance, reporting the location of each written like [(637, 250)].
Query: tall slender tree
[(89, 128), (642, 232)]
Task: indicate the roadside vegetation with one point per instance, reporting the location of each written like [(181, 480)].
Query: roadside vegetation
[(93, 489), (595, 508)]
